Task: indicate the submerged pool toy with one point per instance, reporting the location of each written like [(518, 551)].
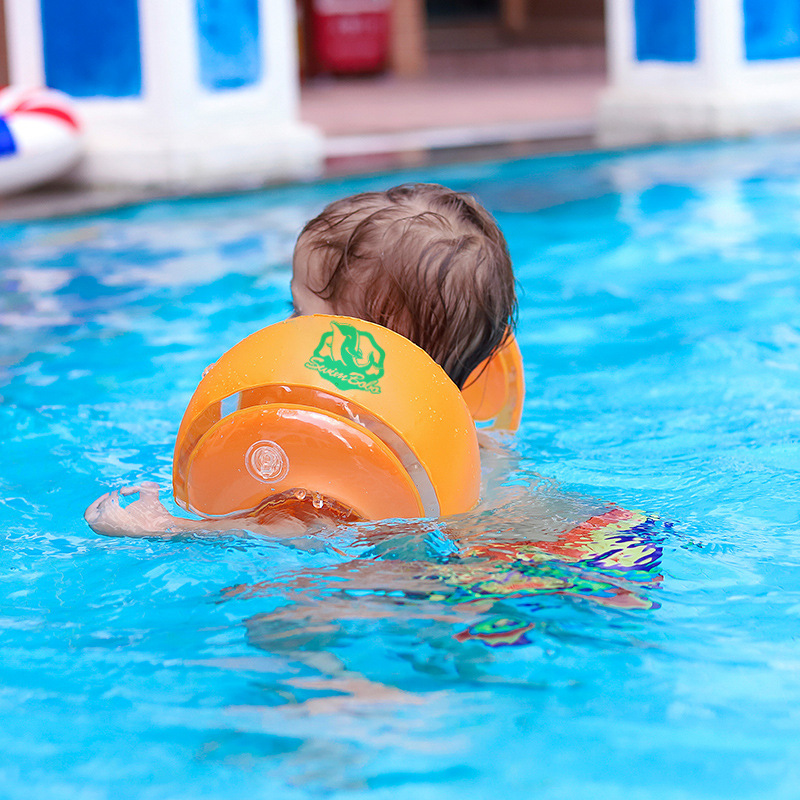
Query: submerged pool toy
[(495, 391), (39, 137), (335, 409)]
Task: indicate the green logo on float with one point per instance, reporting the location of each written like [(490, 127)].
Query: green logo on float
[(349, 358)]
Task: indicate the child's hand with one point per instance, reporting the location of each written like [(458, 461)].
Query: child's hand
[(143, 517)]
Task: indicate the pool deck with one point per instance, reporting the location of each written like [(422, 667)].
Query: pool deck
[(446, 110), (463, 109)]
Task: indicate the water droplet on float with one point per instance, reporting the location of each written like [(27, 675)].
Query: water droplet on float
[(316, 500), (300, 494)]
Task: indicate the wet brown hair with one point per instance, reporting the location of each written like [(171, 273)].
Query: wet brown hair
[(422, 260)]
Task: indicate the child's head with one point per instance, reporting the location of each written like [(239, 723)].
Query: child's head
[(420, 259)]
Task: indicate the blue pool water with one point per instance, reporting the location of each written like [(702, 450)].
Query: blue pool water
[(660, 326)]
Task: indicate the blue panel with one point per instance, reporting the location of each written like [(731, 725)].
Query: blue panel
[(665, 30), (91, 47), (7, 144), (229, 50), (771, 29)]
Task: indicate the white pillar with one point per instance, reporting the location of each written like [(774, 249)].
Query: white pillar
[(172, 92), (690, 69)]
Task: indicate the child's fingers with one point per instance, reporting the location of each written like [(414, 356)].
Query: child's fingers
[(146, 489), (149, 490), (94, 509), (104, 514)]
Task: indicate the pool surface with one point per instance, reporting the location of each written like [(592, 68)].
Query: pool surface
[(660, 327)]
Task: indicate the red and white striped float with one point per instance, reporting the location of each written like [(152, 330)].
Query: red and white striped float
[(39, 137)]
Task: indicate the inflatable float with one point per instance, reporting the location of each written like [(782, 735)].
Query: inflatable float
[(39, 137), (495, 392), (341, 413)]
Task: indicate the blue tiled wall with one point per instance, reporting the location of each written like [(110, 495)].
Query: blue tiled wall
[(91, 47), (771, 29), (229, 50), (665, 30)]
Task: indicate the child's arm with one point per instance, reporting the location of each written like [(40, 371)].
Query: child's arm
[(147, 516)]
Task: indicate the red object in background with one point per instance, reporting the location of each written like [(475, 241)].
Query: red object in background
[(349, 37)]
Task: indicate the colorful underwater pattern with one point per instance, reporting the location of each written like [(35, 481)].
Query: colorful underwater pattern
[(596, 561), (498, 631), (613, 540)]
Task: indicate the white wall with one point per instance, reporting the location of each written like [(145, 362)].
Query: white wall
[(178, 132), (720, 93)]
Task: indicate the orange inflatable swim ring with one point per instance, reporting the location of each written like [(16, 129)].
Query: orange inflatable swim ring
[(495, 391), (334, 409)]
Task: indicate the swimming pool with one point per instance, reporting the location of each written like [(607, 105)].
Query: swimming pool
[(660, 326)]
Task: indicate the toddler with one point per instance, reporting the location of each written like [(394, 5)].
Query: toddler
[(426, 262)]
